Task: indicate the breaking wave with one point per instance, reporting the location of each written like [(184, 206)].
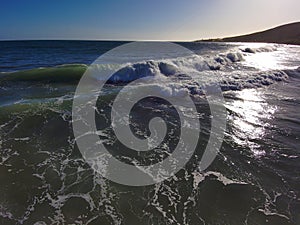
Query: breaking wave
[(179, 69)]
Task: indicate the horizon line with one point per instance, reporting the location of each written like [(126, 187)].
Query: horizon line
[(75, 39)]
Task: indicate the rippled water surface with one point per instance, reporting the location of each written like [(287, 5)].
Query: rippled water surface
[(254, 179)]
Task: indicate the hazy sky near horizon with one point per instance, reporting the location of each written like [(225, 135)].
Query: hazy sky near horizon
[(141, 20)]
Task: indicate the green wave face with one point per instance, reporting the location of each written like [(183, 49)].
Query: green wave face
[(65, 73)]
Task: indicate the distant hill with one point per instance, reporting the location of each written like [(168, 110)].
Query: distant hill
[(285, 34)]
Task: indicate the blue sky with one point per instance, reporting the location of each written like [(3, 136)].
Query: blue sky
[(141, 20)]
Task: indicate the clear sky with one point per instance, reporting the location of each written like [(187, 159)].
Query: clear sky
[(141, 19)]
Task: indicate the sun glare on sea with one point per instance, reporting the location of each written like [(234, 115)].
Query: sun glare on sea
[(263, 61), (250, 118)]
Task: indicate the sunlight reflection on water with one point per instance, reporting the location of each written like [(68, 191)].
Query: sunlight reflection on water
[(250, 119), (263, 61)]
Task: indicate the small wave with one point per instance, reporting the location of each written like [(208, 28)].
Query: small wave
[(174, 67), (260, 49), (253, 80), (168, 67), (180, 68), (293, 73), (62, 73)]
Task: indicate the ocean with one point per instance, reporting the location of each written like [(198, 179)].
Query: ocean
[(254, 179)]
